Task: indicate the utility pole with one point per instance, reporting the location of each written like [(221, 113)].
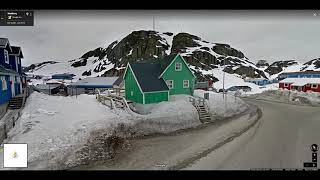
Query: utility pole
[(224, 64)]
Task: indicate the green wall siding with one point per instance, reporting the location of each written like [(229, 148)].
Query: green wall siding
[(178, 77), (131, 85), (156, 97)]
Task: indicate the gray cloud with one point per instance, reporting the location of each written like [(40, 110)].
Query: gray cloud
[(271, 35)]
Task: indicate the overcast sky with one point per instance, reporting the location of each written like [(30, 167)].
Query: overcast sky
[(271, 35)]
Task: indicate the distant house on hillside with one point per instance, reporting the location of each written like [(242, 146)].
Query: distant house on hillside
[(50, 89), (299, 74), (154, 80), (64, 76), (204, 85), (90, 84), (301, 84), (258, 81)]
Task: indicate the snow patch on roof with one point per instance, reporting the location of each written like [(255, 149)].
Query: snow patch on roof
[(301, 81)]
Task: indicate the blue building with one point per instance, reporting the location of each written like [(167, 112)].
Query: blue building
[(11, 77), (259, 81), (299, 74), (65, 76)]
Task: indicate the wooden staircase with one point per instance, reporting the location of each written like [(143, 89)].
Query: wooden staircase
[(203, 109), (204, 115), (16, 102)]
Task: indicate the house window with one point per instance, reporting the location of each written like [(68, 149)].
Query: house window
[(131, 93), (308, 85), (286, 85), (178, 66), (17, 59), (6, 57), (314, 86), (185, 83), (4, 83), (169, 84)]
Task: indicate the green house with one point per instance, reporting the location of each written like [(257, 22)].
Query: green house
[(154, 80)]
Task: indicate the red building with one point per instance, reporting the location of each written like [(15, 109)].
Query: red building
[(301, 84)]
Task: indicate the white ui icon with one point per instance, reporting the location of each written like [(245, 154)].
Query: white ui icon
[(15, 155)]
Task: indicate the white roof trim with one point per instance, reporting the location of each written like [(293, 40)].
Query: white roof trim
[(156, 91), (134, 78), (6, 45)]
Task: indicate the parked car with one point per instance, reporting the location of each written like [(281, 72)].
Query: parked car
[(221, 90), (236, 88)]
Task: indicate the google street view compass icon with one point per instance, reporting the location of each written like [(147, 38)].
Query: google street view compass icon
[(313, 164), (314, 147)]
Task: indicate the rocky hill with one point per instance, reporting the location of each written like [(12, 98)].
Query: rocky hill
[(262, 64), (206, 59), (36, 66), (202, 56), (311, 65), (278, 66)]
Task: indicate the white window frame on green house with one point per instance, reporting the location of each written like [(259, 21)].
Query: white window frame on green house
[(6, 56), (180, 65), (187, 85), (170, 85)]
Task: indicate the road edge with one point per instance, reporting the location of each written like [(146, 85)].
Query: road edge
[(185, 163)]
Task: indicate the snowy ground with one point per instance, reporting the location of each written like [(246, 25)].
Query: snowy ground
[(164, 117), (281, 139), (292, 97), (60, 131), (223, 107), (177, 150), (53, 125)]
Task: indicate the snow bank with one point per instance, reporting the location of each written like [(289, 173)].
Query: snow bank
[(164, 117), (54, 126), (63, 132), (292, 97), (221, 108)]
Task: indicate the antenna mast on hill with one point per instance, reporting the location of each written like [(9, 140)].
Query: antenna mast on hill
[(154, 24)]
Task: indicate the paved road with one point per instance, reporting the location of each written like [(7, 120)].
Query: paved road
[(281, 139), (177, 150)]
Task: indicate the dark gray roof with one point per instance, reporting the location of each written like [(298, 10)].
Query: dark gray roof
[(4, 42), (118, 81), (164, 62), (16, 51), (147, 75), (47, 86), (64, 74)]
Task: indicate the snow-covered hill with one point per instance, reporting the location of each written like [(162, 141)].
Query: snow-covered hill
[(111, 60), (279, 67), (208, 60)]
